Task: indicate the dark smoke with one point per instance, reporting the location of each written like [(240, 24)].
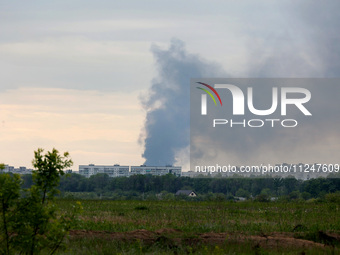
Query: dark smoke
[(167, 105), (321, 21), (308, 46)]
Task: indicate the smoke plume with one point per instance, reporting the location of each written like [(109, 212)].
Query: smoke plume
[(166, 129), (308, 48)]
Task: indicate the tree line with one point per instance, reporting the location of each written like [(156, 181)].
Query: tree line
[(101, 184)]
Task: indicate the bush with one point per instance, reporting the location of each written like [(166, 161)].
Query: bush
[(294, 195), (306, 195), (333, 197), (262, 198), (242, 193)]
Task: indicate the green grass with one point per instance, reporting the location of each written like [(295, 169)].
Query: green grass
[(190, 218), (252, 217)]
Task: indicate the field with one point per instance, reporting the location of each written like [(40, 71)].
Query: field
[(181, 227)]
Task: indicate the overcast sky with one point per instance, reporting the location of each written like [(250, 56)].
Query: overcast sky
[(73, 73)]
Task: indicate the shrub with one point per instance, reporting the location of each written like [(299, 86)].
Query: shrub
[(333, 197), (262, 198)]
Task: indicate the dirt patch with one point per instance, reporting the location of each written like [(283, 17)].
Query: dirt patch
[(334, 235), (140, 234), (163, 231), (271, 241), (277, 242)]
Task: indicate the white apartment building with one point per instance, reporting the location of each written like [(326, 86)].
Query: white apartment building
[(120, 171), (8, 169), (156, 170), (19, 170), (111, 171)]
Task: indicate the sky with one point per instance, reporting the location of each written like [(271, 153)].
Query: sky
[(89, 77)]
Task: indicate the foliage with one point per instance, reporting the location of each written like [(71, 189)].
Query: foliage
[(9, 194), (144, 186), (294, 195), (29, 217), (333, 197), (242, 193), (263, 197)]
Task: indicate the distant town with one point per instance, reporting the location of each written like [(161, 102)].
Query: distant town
[(111, 170), (117, 170), (126, 171), (19, 170)]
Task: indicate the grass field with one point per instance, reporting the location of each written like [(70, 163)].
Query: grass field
[(179, 227)]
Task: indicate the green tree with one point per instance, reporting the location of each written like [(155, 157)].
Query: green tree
[(294, 194), (305, 195), (30, 221), (242, 193), (278, 182), (9, 194)]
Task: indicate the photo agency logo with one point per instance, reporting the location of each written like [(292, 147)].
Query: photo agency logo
[(243, 102), (255, 126)]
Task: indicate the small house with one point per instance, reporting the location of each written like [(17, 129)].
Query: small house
[(189, 193)]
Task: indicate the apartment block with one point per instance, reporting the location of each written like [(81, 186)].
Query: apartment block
[(120, 171), (111, 171), (156, 170)]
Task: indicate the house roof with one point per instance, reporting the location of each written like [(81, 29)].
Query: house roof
[(184, 192)]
